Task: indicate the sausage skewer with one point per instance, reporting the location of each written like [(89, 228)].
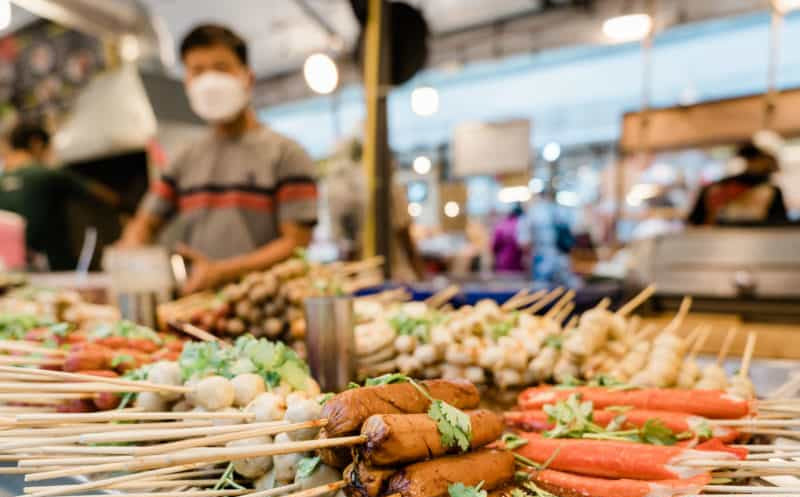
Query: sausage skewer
[(394, 439)]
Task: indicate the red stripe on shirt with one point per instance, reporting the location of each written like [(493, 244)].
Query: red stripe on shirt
[(299, 191), (237, 199), (163, 190)]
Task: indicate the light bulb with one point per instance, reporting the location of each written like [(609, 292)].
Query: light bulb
[(551, 152), (512, 194), (321, 73), (628, 28), (451, 209), (425, 101), (422, 165), (129, 48), (414, 209), (5, 13)]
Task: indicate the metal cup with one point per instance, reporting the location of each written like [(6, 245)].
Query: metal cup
[(330, 342)]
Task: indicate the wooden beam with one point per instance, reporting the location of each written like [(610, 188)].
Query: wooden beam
[(721, 122)]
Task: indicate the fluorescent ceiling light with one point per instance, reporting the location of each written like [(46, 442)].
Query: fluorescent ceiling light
[(784, 6), (425, 101), (512, 194), (422, 165), (5, 13), (321, 73), (452, 209), (568, 198), (629, 27)]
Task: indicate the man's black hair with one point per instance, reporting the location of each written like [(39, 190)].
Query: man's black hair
[(207, 35), (24, 134), (749, 151)]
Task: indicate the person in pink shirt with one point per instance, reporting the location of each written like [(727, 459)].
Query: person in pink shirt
[(508, 254)]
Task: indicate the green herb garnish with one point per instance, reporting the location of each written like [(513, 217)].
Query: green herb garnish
[(306, 466), (512, 441), (461, 490)]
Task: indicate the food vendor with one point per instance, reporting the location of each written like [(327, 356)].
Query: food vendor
[(39, 194), (745, 199), (241, 198)]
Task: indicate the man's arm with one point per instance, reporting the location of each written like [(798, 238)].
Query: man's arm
[(140, 230), (207, 273)]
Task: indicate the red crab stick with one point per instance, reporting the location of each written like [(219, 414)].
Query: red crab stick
[(678, 422), (713, 404), (608, 459), (569, 485)]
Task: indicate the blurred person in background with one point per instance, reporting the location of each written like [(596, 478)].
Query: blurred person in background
[(243, 197), (545, 234), (505, 246), (746, 199), (39, 194)]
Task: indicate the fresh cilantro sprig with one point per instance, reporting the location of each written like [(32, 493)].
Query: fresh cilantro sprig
[(453, 424), (536, 491), (461, 490), (307, 465), (512, 441)]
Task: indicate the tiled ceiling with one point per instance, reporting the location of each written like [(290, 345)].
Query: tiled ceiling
[(281, 35)]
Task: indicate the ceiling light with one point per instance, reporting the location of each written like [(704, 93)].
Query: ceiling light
[(785, 6), (129, 48), (567, 198), (425, 101), (321, 73), (512, 194), (422, 165), (5, 13), (536, 185), (629, 27), (414, 209), (452, 209), (551, 152)]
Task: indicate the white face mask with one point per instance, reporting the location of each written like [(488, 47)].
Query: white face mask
[(217, 96)]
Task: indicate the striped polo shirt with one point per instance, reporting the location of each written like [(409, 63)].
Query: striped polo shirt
[(228, 196)]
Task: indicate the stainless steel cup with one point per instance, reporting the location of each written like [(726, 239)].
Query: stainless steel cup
[(330, 342)]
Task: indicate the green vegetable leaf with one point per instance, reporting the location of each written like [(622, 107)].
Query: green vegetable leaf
[(619, 409), (418, 327), (655, 432), (454, 425), (703, 430), (521, 476), (554, 341), (461, 490), (512, 441), (351, 385), (325, 397), (501, 329), (121, 359), (517, 492), (617, 423), (386, 379), (535, 490), (306, 466), (60, 329)]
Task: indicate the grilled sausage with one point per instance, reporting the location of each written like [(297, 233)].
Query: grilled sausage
[(347, 411), (366, 481), (431, 478), (405, 438)]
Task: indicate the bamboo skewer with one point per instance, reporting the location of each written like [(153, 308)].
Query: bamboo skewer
[(21, 346), (196, 456), (726, 345), (508, 305), (636, 301), (60, 431), (140, 484), (544, 301), (276, 491), (199, 333), (79, 377), (560, 304), (29, 360), (524, 301), (442, 297), (751, 489), (181, 493), (61, 418), (680, 316), (43, 398), (747, 355), (311, 492), (698, 344), (772, 455), (132, 434)]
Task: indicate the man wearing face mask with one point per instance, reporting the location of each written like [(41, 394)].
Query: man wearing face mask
[(243, 197)]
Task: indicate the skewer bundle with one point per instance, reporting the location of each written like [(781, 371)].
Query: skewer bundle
[(270, 303), (56, 306)]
